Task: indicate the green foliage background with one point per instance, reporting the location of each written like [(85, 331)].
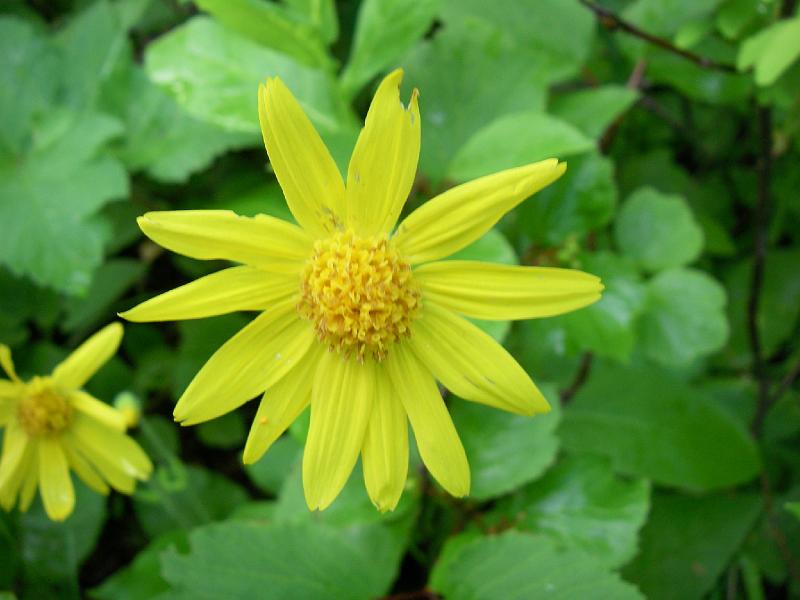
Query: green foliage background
[(670, 467)]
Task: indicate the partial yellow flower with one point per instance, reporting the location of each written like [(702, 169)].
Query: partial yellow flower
[(52, 426), (357, 320)]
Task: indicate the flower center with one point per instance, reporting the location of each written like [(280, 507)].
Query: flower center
[(360, 295), (44, 411)]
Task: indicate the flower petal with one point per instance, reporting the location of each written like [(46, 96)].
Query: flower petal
[(100, 411), (97, 440), (86, 359), (471, 364), (281, 405), (384, 456), (437, 440), (505, 291), (229, 290), (111, 468), (14, 462), (84, 469), (384, 161), (31, 479), (461, 215), (7, 363), (55, 484), (305, 169), (341, 402), (9, 391), (246, 365), (262, 241)]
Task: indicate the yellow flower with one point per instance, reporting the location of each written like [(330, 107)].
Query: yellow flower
[(355, 320), (51, 425)]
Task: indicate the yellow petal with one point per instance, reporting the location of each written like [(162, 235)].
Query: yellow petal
[(471, 364), (229, 290), (384, 161), (464, 213), (84, 470), (15, 460), (305, 169), (262, 241), (341, 401), (111, 468), (281, 405), (7, 363), (55, 484), (87, 358), (96, 440), (384, 456), (437, 439), (505, 292), (31, 480), (246, 365), (9, 391), (100, 411)]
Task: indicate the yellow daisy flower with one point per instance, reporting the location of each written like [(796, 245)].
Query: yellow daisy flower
[(52, 426), (357, 320)]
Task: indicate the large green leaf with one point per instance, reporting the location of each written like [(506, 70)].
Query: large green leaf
[(658, 230), (520, 566), (272, 25), (49, 194), (214, 73), (451, 71), (595, 109), (385, 31), (244, 559), (688, 541), (554, 34), (505, 450), (772, 51), (515, 140), (580, 503), (684, 317), (653, 425)]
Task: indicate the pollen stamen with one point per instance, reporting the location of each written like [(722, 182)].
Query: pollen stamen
[(359, 294), (43, 411)]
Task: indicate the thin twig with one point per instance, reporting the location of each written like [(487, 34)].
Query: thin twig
[(786, 383), (761, 224), (581, 376), (612, 21), (775, 531)]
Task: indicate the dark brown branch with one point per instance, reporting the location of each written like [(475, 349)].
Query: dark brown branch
[(612, 21), (580, 378), (760, 223)]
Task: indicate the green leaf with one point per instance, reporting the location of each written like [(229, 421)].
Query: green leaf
[(517, 566), (583, 199), (734, 16), (52, 552), (180, 497), (666, 17), (493, 248), (607, 326), (214, 74), (515, 140), (554, 34), (48, 196), (385, 31), (688, 541), (658, 230), (661, 429), (141, 579), (161, 137), (684, 317), (228, 431), (454, 103), (319, 13), (271, 470), (505, 450), (772, 51), (244, 559), (272, 25), (593, 110), (581, 504)]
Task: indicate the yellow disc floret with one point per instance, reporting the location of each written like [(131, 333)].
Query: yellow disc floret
[(43, 410), (359, 294)]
